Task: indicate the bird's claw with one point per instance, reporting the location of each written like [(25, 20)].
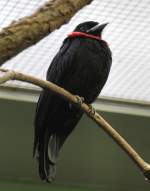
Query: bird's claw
[(80, 100), (91, 110)]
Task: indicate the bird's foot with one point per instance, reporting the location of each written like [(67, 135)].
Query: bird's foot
[(80, 100), (91, 110)]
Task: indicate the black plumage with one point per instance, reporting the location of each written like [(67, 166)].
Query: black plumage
[(81, 66)]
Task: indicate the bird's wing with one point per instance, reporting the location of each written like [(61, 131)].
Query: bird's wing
[(48, 102), (49, 107)]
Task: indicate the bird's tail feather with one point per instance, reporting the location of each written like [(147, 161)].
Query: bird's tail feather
[(55, 143), (42, 158), (48, 150)]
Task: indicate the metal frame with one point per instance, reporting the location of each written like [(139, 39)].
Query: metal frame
[(107, 104)]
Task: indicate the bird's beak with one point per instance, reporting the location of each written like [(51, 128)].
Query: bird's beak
[(97, 29)]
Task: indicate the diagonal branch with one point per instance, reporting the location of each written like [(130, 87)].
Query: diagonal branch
[(29, 30), (12, 75)]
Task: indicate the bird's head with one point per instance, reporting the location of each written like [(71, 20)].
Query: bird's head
[(91, 27)]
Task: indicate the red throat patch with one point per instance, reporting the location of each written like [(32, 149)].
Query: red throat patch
[(81, 34)]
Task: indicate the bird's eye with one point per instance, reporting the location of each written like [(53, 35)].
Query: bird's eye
[(82, 29)]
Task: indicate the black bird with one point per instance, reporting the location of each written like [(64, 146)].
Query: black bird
[(81, 66)]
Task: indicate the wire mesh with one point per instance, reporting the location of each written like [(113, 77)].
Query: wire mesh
[(127, 34)]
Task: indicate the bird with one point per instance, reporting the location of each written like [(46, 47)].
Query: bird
[(81, 66)]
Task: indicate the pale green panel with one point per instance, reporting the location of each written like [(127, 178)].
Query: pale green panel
[(89, 157)]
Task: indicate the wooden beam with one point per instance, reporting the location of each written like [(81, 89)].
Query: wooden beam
[(27, 31)]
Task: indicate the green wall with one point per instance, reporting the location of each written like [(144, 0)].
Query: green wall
[(89, 157)]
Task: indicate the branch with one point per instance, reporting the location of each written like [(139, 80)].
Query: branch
[(29, 30), (12, 75)]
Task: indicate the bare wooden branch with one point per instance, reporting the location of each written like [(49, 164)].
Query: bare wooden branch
[(12, 75), (29, 30)]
